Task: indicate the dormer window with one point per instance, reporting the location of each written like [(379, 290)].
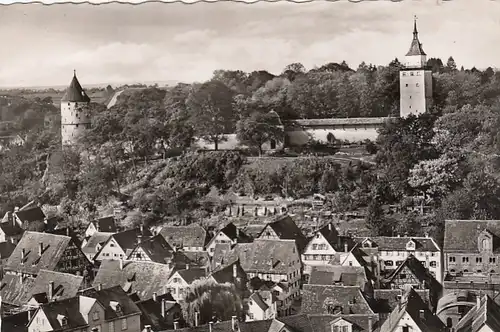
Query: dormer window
[(63, 320), (485, 241), (410, 245), (341, 326)]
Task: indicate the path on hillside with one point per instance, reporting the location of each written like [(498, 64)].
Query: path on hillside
[(114, 99)]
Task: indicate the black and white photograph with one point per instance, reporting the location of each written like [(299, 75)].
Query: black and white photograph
[(250, 166)]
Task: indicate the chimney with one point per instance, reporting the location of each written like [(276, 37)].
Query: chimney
[(67, 231), (154, 296), (163, 313), (330, 226), (370, 324), (99, 287), (16, 209), (210, 326), (40, 249), (23, 255), (142, 229), (121, 264), (478, 301), (148, 328), (234, 323), (346, 247), (51, 290), (21, 278), (422, 314), (97, 226), (187, 266), (29, 315), (235, 271), (176, 325), (196, 318)]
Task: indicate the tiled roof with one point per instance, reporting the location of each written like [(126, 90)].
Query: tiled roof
[(94, 240), (75, 92), (321, 299), (340, 275), (266, 255), (31, 214), (17, 322), (144, 278), (255, 297), (106, 295), (192, 258), (220, 252), (232, 232), (65, 285), (286, 229), (53, 249), (462, 235), (388, 243), (337, 241), (255, 326), (419, 271), (106, 224), (415, 47), (157, 249), (339, 121), (185, 236), (130, 238), (225, 274), (414, 306), (15, 292), (69, 308), (253, 230), (386, 300), (11, 229), (6, 249), (151, 311), (487, 313), (192, 274)]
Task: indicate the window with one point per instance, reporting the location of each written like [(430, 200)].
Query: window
[(273, 144), (465, 259), (417, 85), (138, 255), (406, 329), (95, 315), (479, 271), (485, 244), (315, 247), (406, 84), (402, 276), (250, 315), (411, 73), (111, 244), (479, 259), (124, 324), (398, 263), (389, 263), (433, 264), (176, 280), (449, 322), (111, 326), (492, 271), (452, 259), (492, 259)]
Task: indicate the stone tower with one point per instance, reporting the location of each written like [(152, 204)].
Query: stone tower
[(415, 80), (75, 117)]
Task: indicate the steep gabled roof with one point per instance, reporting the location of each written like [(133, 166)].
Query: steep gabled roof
[(322, 299), (419, 271), (17, 322), (416, 46), (143, 278), (337, 241), (485, 313), (130, 238), (343, 275), (106, 224), (192, 274), (113, 294), (235, 234), (394, 243), (185, 236), (75, 92), (69, 309), (6, 249), (255, 297), (11, 229), (386, 300), (461, 236), (54, 247), (226, 274), (94, 240), (65, 285), (220, 253), (31, 214), (286, 229), (157, 249), (151, 311)]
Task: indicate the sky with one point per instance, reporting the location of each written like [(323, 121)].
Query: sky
[(122, 43)]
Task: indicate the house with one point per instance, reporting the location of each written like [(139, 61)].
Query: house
[(485, 316), (390, 252), (36, 251), (233, 274), (155, 249), (386, 300), (323, 246), (10, 232), (284, 228), (199, 259), (341, 276), (323, 299), (412, 314), (160, 312), (6, 249), (257, 207), (30, 218), (20, 291), (221, 251), (180, 280), (188, 238), (105, 225), (273, 260), (17, 322), (139, 277), (279, 291), (262, 305), (229, 234), (412, 273), (120, 245), (471, 247), (105, 310), (94, 244)]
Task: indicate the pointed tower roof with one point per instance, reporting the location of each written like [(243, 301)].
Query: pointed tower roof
[(416, 47), (75, 93)]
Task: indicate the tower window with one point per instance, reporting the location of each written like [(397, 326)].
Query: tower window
[(410, 97), (418, 84), (406, 84), (411, 73)]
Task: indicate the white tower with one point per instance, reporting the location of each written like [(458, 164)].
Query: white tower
[(415, 80), (75, 117)]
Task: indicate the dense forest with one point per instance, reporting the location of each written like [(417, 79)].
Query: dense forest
[(446, 159)]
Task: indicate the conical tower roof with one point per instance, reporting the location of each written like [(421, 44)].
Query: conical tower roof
[(416, 47), (75, 93)]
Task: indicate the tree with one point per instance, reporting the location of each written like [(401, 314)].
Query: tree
[(293, 70), (260, 128), (213, 302), (375, 219), (211, 111), (451, 65)]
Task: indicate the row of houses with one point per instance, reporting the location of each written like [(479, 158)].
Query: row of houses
[(279, 271)]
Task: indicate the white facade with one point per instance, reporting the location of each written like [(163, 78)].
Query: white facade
[(415, 91), (111, 250), (318, 252), (219, 238), (352, 134), (177, 286), (75, 119)]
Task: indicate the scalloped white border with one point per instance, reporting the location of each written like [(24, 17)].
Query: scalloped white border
[(138, 2)]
